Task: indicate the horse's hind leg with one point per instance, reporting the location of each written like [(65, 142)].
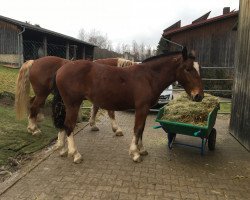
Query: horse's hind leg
[(34, 118), (136, 144), (61, 143), (115, 127), (69, 124), (92, 120), (40, 116)]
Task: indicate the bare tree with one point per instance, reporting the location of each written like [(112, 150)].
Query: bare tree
[(82, 35), (118, 48), (142, 51), (125, 48), (139, 51), (95, 37), (135, 50), (148, 51)]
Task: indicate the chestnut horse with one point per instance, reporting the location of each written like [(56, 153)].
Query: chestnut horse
[(136, 87), (40, 73)]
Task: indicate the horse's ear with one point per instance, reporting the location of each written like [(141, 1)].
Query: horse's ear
[(184, 53)]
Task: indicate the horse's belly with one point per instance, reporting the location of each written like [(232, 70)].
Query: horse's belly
[(108, 103)]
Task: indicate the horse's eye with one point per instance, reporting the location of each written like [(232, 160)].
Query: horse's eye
[(188, 69)]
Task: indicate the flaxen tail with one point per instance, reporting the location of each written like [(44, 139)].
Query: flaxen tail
[(23, 90)]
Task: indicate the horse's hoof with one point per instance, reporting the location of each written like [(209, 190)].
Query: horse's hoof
[(71, 154), (137, 158), (63, 152), (78, 158), (143, 153), (29, 130), (114, 129), (58, 145), (119, 133), (94, 128), (37, 132)]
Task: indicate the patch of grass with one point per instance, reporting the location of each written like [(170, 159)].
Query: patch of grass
[(8, 78), (15, 140), (225, 107)]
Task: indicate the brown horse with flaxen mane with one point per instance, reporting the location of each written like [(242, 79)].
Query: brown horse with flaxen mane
[(39, 74), (136, 87)]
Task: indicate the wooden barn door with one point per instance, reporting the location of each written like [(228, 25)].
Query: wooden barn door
[(240, 115)]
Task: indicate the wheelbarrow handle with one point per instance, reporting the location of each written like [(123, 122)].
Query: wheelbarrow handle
[(156, 127)]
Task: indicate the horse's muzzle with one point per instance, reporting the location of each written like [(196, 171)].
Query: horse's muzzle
[(198, 97)]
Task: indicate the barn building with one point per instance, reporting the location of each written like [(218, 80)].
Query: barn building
[(213, 39), (21, 41), (214, 42)]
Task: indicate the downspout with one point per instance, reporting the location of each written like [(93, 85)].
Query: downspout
[(19, 46)]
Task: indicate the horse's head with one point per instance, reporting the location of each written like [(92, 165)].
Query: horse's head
[(188, 76)]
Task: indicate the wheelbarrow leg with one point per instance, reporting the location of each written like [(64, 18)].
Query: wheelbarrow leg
[(203, 145), (171, 139)]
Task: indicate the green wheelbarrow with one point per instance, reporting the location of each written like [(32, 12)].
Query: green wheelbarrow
[(206, 133)]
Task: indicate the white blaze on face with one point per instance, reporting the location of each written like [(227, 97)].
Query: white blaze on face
[(197, 67)]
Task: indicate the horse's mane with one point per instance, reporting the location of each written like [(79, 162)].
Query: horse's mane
[(124, 63), (161, 55)]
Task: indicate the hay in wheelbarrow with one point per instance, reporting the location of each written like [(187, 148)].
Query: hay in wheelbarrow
[(183, 109)]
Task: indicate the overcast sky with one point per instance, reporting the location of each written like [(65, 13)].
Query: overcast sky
[(122, 20)]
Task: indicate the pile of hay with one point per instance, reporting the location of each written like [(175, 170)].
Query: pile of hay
[(183, 109)]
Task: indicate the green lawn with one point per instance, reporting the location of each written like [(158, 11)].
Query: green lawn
[(225, 108), (8, 79), (15, 139)]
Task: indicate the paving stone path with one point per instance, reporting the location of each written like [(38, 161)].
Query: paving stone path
[(108, 172)]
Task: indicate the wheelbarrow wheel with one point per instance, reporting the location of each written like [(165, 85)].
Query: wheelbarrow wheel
[(212, 139)]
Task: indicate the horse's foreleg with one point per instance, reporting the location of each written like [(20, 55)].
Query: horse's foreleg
[(142, 150), (34, 118), (70, 122), (136, 144), (115, 127), (40, 117), (92, 120)]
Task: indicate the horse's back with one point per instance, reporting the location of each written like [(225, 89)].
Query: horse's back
[(107, 61), (49, 62), (78, 69), (43, 70)]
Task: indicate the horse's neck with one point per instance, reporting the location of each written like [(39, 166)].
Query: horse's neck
[(162, 74)]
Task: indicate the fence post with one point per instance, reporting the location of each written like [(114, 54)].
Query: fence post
[(74, 55), (20, 49), (67, 51), (83, 53), (45, 46)]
